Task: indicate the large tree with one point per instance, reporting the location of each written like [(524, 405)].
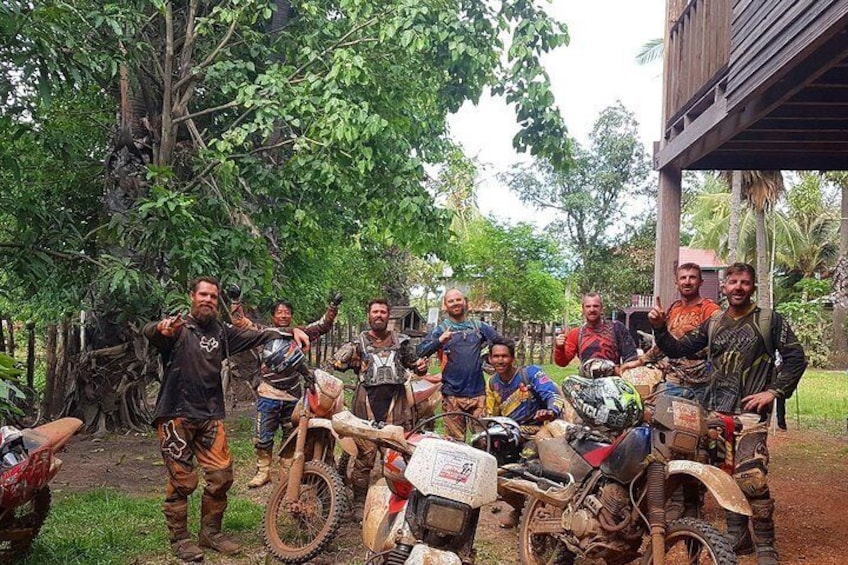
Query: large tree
[(600, 201), (253, 139)]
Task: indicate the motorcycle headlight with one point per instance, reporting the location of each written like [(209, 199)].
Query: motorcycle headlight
[(444, 515)]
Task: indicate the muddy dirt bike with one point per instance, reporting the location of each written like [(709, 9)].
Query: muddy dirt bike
[(591, 497), (28, 463), (425, 508), (304, 511), (426, 395)]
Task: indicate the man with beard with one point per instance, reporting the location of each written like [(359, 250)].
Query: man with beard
[(380, 358), (596, 338), (743, 383), (189, 416), (276, 396), (460, 343)]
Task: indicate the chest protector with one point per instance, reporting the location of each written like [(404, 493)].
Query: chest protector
[(382, 365)]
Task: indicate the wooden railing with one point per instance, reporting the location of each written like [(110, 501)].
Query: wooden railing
[(641, 301), (697, 51)]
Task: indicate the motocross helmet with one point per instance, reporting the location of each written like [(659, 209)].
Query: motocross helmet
[(505, 437), (283, 356), (597, 368), (609, 402)]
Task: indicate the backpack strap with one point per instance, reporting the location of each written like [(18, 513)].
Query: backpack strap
[(712, 324), (764, 321)]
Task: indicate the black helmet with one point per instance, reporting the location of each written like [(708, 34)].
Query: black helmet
[(505, 437), (610, 402), (596, 368), (283, 356)]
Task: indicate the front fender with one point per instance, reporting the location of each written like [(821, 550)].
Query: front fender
[(347, 444), (425, 555), (721, 485)]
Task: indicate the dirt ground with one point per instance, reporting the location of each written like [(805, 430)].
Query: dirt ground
[(808, 479)]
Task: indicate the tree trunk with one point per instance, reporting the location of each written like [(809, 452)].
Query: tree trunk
[(2, 336), (30, 370), (735, 217), (763, 270), (10, 327), (840, 283)]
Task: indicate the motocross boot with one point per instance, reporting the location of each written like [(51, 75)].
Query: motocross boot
[(176, 516), (763, 522), (739, 533), (263, 468), (211, 515)]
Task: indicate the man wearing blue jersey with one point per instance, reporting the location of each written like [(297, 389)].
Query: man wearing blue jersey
[(524, 394)]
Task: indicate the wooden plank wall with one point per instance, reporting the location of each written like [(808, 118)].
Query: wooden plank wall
[(697, 47), (768, 34)]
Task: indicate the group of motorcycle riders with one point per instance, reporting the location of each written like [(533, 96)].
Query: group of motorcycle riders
[(736, 362)]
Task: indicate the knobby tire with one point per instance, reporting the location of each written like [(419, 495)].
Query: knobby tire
[(298, 538)]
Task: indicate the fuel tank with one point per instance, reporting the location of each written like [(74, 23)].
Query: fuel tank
[(628, 456), (557, 455)]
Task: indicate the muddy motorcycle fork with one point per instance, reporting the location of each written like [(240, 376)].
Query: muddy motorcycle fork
[(655, 485), (298, 461)]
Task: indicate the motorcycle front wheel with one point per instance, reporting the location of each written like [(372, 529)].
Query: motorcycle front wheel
[(20, 525), (297, 532), (536, 544), (689, 540)]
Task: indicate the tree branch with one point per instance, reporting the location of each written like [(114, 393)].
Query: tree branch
[(211, 57), (52, 253), (199, 113), (167, 142)]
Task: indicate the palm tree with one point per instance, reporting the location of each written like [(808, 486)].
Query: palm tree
[(762, 190), (840, 271)]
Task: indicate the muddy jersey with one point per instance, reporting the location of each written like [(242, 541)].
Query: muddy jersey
[(739, 362), (191, 386), (683, 319), (607, 340)]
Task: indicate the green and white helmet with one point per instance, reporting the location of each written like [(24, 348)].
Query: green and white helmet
[(609, 402)]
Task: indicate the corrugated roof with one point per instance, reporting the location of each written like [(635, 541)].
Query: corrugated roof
[(706, 258)]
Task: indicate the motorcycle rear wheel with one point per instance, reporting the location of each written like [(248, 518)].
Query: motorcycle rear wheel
[(297, 537), (24, 521), (689, 540), (540, 548)]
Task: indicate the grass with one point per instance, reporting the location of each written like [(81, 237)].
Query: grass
[(821, 402)]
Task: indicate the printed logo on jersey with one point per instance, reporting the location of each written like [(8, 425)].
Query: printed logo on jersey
[(208, 344)]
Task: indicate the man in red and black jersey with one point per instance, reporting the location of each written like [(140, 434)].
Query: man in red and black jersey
[(596, 338)]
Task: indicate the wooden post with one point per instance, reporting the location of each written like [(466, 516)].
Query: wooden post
[(668, 234), (30, 370), (542, 343), (47, 403)]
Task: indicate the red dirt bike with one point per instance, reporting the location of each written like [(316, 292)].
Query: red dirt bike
[(27, 466)]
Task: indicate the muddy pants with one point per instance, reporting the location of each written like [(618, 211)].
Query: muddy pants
[(181, 441), (750, 470), (455, 426)]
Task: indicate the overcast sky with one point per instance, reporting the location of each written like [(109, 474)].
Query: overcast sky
[(597, 68)]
